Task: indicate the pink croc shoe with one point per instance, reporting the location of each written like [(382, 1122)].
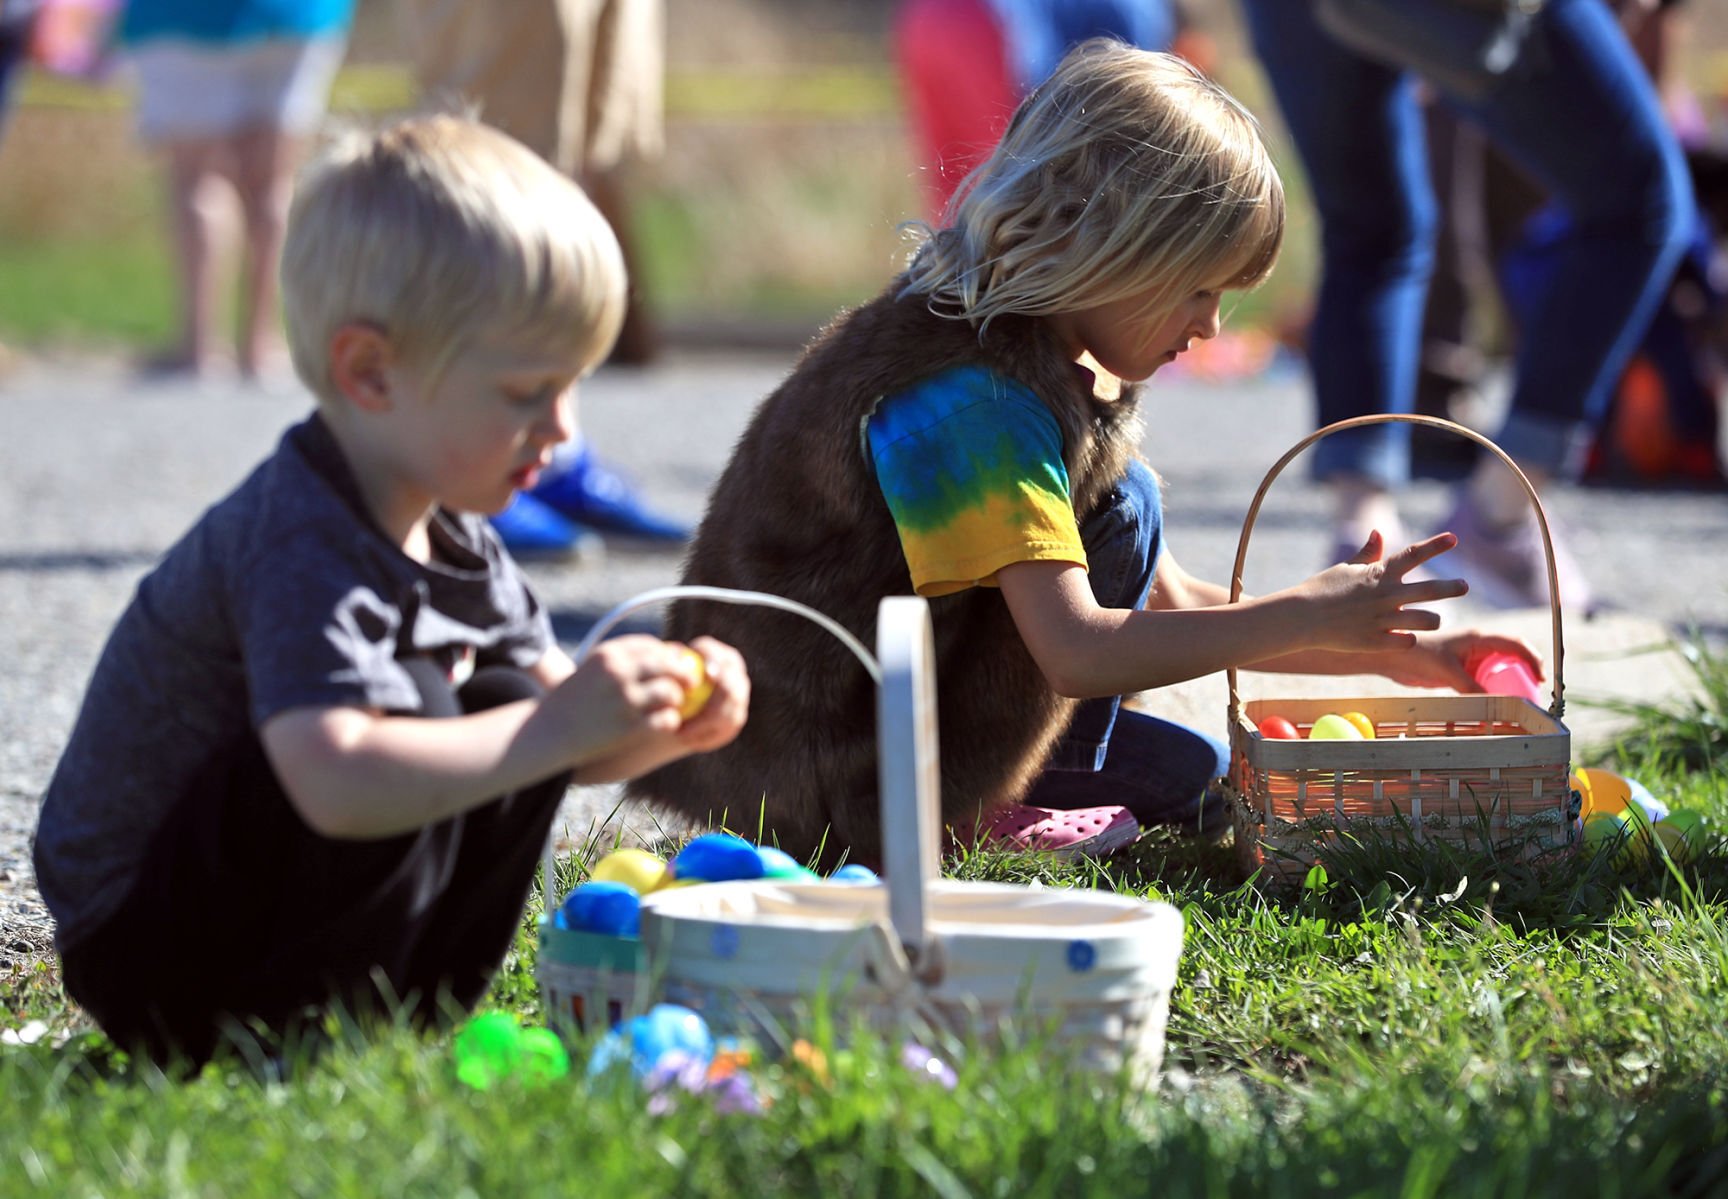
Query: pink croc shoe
[(1092, 831)]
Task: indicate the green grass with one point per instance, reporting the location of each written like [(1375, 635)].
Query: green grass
[(1432, 1025), (82, 291), (778, 199)]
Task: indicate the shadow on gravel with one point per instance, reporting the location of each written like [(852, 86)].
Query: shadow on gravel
[(61, 561)]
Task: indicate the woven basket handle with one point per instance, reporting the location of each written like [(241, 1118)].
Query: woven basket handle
[(1380, 418)]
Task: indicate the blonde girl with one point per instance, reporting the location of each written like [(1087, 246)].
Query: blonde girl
[(971, 435)]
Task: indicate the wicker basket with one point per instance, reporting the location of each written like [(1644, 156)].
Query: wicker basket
[(589, 981), (917, 953), (1479, 771)]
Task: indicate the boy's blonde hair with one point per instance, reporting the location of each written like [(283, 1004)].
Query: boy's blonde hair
[(440, 230), (1125, 170)]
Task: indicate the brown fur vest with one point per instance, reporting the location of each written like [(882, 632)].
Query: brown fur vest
[(798, 513)]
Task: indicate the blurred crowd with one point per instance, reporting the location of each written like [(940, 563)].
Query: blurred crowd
[(1558, 223)]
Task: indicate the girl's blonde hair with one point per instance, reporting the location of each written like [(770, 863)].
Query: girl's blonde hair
[(440, 230), (1125, 171)]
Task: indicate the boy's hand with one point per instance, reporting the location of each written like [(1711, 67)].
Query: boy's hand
[(628, 686), (623, 706), (1362, 605), (721, 715)]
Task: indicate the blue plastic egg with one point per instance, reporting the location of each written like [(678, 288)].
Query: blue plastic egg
[(667, 1027), (777, 863), (643, 1041), (855, 875), (612, 909), (717, 858)]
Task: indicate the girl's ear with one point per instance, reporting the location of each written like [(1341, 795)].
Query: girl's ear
[(360, 361)]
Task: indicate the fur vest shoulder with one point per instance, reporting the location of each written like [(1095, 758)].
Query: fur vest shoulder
[(798, 513)]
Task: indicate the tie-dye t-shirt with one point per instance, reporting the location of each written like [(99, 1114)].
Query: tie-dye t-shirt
[(971, 465)]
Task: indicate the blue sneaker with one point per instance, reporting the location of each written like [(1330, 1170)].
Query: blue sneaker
[(533, 532), (589, 492)]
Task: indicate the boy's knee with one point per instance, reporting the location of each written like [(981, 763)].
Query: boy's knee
[(489, 687), (496, 686)]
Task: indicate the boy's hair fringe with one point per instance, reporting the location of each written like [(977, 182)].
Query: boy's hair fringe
[(1125, 170), (439, 230)]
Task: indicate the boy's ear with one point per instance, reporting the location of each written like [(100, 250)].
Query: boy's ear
[(360, 361)]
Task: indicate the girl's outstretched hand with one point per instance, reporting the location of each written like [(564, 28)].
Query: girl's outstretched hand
[(1364, 605), (1442, 659)]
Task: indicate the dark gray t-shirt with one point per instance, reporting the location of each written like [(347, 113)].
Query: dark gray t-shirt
[(283, 595)]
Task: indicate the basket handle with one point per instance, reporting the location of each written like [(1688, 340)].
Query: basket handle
[(1558, 708), (909, 778), (908, 774), (725, 595)]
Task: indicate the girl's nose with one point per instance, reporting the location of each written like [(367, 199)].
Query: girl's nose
[(1206, 320)]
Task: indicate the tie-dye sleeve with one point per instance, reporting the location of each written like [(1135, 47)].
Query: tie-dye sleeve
[(971, 466)]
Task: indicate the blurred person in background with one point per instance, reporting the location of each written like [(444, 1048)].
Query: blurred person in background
[(17, 18), (229, 92), (1496, 237), (1662, 423), (1578, 114), (581, 83), (965, 64)]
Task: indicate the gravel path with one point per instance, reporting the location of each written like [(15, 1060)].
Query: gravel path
[(99, 475)]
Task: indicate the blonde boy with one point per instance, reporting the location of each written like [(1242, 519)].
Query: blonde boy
[(325, 742)]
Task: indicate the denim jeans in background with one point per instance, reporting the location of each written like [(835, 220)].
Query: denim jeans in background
[(14, 48), (1585, 124), (1157, 769)]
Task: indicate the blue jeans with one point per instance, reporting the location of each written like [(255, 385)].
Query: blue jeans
[(1157, 769), (14, 47), (1586, 126)]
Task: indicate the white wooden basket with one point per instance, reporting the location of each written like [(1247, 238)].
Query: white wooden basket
[(915, 951)]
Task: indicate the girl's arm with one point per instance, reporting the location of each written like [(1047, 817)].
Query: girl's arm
[(1436, 660), (1187, 630)]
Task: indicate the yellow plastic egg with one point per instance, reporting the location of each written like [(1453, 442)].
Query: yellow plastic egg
[(697, 697), (1363, 724), (1673, 843), (1681, 834), (1603, 790), (637, 869), (1333, 727)]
